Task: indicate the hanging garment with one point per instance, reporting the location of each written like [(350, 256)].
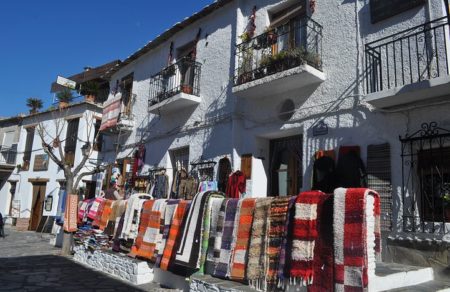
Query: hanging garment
[(180, 175), (207, 186), (277, 223), (161, 188), (256, 267), (70, 214), (350, 169), (312, 252), (236, 185), (61, 207), (324, 175), (189, 249), (174, 234), (357, 240), (240, 246), (187, 188), (224, 256), (224, 173)]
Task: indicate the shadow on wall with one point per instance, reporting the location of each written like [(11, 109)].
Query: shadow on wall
[(54, 273)]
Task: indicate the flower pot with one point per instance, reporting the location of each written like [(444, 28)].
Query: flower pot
[(63, 104), (33, 111), (186, 89)]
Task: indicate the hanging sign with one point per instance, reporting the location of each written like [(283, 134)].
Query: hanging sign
[(66, 82), (320, 129), (40, 162)]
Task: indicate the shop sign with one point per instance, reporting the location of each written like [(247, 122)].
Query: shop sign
[(40, 162), (320, 129)]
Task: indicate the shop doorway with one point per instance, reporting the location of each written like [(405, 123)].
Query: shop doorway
[(286, 166), (37, 205)]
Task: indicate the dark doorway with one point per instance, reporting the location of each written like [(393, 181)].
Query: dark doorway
[(37, 204), (286, 166)]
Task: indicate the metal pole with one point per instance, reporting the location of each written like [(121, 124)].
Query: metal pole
[(446, 10)]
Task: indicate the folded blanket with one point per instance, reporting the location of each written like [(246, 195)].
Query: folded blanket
[(308, 263), (357, 240), (223, 256), (141, 248), (256, 268), (174, 234), (276, 231), (103, 222), (188, 251), (169, 211), (239, 253), (210, 232)]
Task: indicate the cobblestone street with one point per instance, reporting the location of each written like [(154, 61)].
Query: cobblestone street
[(29, 263)]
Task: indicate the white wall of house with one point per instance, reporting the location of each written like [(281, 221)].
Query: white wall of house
[(24, 189), (249, 124)]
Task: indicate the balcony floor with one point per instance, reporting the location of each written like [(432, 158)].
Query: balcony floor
[(174, 103), (286, 81), (411, 93)]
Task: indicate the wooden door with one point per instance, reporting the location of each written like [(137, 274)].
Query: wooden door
[(37, 205)]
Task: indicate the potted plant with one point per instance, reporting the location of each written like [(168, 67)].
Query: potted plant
[(64, 97), (446, 205), (35, 104), (168, 72), (90, 90), (271, 36), (245, 37)]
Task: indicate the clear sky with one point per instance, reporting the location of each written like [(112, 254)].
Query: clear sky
[(42, 39)]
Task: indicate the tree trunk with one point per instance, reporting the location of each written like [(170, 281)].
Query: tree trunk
[(68, 236)]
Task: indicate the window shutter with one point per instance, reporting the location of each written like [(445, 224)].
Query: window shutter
[(246, 165)]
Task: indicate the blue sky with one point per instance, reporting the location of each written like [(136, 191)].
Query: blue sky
[(43, 39)]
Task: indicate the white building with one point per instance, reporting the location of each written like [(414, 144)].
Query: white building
[(372, 73)]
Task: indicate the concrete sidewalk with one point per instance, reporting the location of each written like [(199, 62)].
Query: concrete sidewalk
[(29, 263)]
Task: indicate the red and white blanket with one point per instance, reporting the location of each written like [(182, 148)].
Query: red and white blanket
[(357, 241), (111, 112)]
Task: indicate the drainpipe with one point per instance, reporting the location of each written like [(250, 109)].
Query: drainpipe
[(446, 10)]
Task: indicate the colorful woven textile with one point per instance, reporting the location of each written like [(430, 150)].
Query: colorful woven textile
[(94, 208), (223, 257), (276, 231), (239, 255), (70, 214), (140, 248), (257, 248), (219, 233), (105, 215), (169, 211), (209, 231), (189, 247), (98, 215), (111, 112), (83, 210), (286, 245), (132, 216), (174, 234), (308, 214), (356, 237)]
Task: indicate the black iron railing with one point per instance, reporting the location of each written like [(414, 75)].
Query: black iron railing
[(410, 56), (181, 77), (288, 46), (426, 180), (8, 155)]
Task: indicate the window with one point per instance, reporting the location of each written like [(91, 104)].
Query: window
[(434, 173), (28, 148), (127, 94), (383, 9), (98, 136), (71, 141)]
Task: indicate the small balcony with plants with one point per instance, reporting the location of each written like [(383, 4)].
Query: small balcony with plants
[(282, 59), (175, 87), (409, 66)]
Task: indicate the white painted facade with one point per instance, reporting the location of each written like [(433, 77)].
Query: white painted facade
[(86, 113), (225, 124)]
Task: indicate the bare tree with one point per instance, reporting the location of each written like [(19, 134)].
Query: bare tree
[(52, 144)]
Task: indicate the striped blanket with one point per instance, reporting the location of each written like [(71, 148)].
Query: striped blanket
[(356, 237), (169, 211), (286, 246), (174, 234), (141, 248), (103, 222), (188, 251), (239, 252), (210, 232), (94, 208), (309, 261), (111, 112), (257, 249), (276, 231), (223, 256), (98, 215)]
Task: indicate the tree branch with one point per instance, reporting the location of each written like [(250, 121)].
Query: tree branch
[(92, 172)]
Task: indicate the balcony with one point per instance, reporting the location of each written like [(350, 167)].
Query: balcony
[(175, 87), (8, 156), (409, 67), (285, 59)]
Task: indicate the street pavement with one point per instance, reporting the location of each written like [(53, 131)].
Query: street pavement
[(29, 263)]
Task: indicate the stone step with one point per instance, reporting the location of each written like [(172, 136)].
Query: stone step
[(437, 286), (390, 276)]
